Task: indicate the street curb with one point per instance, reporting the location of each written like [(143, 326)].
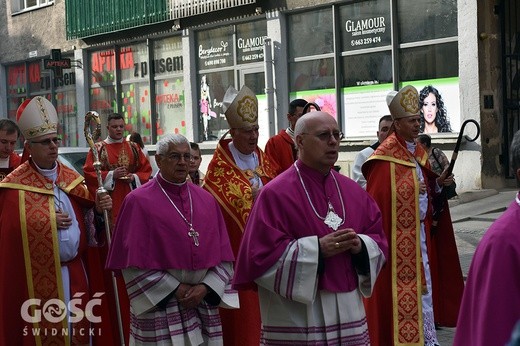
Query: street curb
[(470, 196)]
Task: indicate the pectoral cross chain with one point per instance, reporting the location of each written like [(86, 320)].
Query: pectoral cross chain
[(195, 235)]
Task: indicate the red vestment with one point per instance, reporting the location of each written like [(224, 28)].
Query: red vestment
[(111, 156), (115, 155), (281, 149), (31, 267), (14, 161), (232, 189), (392, 182)]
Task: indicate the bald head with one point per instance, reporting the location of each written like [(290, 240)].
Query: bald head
[(317, 136), (311, 119)]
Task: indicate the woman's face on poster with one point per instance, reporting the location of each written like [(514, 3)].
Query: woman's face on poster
[(429, 108)]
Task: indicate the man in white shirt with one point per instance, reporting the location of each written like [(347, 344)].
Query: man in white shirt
[(384, 127)]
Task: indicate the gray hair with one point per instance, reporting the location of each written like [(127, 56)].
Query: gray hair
[(515, 152), (171, 138)]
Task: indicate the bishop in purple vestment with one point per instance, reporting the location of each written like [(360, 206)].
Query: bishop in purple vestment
[(491, 301), (313, 245), (171, 245)]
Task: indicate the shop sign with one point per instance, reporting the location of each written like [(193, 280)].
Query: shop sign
[(251, 49)]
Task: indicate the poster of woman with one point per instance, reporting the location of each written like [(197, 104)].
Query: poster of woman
[(434, 117), (205, 106)]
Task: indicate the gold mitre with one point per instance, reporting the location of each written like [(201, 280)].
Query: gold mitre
[(240, 108), (404, 103), (37, 117)]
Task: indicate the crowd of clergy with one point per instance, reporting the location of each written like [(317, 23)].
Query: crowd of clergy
[(273, 247)]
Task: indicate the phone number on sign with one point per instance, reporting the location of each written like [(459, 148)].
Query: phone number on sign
[(214, 62), (363, 41)]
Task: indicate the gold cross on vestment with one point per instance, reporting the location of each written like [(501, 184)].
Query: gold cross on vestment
[(194, 234)]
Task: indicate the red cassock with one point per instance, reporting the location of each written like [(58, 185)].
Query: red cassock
[(232, 189), (115, 155), (14, 161), (389, 173), (31, 268), (281, 149), (111, 156)]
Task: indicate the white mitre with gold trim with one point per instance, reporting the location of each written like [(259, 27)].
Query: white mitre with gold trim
[(240, 108), (404, 103), (37, 117)]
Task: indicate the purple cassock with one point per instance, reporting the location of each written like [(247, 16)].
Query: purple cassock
[(282, 214), (151, 234), (491, 301)]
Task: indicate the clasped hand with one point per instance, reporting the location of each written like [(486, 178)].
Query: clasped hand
[(190, 296), (340, 241)]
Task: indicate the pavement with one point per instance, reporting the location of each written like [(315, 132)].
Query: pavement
[(472, 213)]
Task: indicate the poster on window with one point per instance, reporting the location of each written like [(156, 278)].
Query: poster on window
[(439, 106)]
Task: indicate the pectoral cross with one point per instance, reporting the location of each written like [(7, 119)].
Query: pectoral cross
[(195, 235)]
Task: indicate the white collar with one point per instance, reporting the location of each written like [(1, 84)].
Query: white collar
[(110, 140), (52, 173)]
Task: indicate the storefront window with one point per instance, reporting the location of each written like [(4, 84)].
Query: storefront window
[(367, 69), (103, 101), (426, 20), (429, 62), (213, 86), (169, 86), (313, 74), (39, 79), (135, 90), (311, 43), (367, 80), (366, 32), (68, 118), (102, 90), (39, 83), (16, 84), (311, 33), (220, 68), (66, 106)]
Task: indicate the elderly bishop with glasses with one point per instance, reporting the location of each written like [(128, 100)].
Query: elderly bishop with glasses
[(48, 225), (313, 246), (171, 246)]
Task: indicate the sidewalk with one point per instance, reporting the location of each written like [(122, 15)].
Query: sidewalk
[(472, 213)]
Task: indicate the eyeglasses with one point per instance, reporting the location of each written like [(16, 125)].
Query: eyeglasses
[(176, 157), (48, 141), (325, 136)]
